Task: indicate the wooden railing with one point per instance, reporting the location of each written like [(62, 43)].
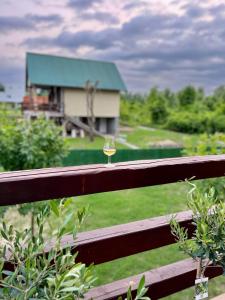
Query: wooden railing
[(107, 244), (41, 106)]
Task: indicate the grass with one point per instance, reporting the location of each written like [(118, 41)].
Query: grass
[(143, 138), (137, 136), (84, 143), (119, 207)]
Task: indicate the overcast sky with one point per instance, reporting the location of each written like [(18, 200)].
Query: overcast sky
[(168, 43)]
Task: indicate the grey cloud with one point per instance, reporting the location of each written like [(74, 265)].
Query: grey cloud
[(174, 50), (99, 40), (102, 17), (142, 27), (193, 10), (83, 4), (132, 5), (15, 23), (217, 9), (10, 73), (28, 22), (49, 19)]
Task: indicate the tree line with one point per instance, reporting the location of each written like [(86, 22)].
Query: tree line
[(188, 110)]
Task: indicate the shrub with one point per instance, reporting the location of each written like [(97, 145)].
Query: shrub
[(216, 123), (208, 145), (30, 145), (187, 96), (40, 275), (207, 244), (157, 107), (186, 122)]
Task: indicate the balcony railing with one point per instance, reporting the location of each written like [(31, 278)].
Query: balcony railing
[(107, 244), (41, 107)]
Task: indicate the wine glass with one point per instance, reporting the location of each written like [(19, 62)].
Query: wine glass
[(109, 149)]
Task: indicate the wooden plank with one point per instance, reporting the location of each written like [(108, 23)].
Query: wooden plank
[(30, 186), (107, 244), (161, 282)]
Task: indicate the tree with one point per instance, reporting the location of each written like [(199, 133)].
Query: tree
[(90, 97), (207, 245), (30, 145), (157, 107), (187, 96), (219, 92), (170, 98)]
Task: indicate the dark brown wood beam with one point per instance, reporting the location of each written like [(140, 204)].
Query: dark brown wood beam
[(161, 282), (30, 186), (106, 244)]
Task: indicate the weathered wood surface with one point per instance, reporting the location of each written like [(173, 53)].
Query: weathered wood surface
[(29, 186), (103, 245), (161, 282), (107, 244)]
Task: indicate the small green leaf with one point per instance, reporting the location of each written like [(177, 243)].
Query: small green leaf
[(54, 208)]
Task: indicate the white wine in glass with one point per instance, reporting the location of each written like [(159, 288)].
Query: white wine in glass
[(109, 149)]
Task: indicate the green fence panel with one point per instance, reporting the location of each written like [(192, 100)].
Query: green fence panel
[(84, 157)]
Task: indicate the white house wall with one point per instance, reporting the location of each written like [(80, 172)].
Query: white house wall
[(106, 104)]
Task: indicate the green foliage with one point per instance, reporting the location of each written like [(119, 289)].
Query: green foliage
[(188, 111), (133, 110), (187, 96), (208, 145), (208, 242), (157, 107), (141, 291), (192, 122), (187, 122), (30, 145), (53, 275)]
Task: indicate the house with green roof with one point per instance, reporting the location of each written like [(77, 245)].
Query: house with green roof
[(56, 87)]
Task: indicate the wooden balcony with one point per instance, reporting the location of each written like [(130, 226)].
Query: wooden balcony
[(41, 107), (107, 244)]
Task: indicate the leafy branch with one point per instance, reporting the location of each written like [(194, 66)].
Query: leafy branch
[(207, 245)]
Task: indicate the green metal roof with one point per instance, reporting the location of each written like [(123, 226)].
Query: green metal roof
[(48, 70)]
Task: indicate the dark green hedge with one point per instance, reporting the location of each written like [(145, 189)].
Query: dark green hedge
[(83, 157)]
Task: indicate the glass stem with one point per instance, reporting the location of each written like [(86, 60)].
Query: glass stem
[(109, 160)]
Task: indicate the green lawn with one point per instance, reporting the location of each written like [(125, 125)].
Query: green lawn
[(113, 208), (137, 136), (84, 143), (143, 137)]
